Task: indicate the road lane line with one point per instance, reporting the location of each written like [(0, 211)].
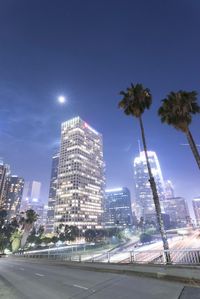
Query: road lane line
[(21, 269), (80, 287), (38, 274)]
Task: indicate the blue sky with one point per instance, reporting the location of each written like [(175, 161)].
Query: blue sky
[(89, 51)]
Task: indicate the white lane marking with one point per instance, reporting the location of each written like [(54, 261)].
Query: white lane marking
[(21, 269), (38, 274), (80, 287)]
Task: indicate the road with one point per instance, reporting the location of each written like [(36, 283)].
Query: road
[(21, 279), (150, 252)]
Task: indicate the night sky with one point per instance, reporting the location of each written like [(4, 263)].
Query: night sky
[(89, 51)]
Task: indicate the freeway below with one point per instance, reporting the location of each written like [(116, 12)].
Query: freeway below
[(151, 252), (22, 279)]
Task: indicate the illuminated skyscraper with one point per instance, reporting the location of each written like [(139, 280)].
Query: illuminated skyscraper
[(169, 189), (14, 195), (31, 195), (4, 175), (80, 188), (118, 207), (178, 211), (144, 200), (196, 208), (52, 193)]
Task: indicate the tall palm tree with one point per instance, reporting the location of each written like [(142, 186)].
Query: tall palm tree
[(177, 110), (27, 222), (136, 99)]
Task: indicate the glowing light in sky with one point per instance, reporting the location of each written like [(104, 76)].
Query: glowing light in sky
[(61, 99)]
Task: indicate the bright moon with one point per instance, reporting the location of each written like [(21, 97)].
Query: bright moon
[(61, 99)]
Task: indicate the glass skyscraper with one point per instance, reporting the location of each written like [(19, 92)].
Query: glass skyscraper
[(80, 188), (52, 193), (4, 175), (14, 195), (178, 211), (196, 208), (118, 210), (144, 200), (31, 195)]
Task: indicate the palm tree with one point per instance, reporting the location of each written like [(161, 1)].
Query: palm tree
[(15, 240), (27, 222), (177, 110), (136, 99)]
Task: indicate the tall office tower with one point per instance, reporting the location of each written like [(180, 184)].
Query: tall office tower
[(35, 191), (196, 208), (52, 194), (14, 195), (144, 200), (80, 189), (178, 211), (31, 195), (169, 189), (4, 175), (118, 210)]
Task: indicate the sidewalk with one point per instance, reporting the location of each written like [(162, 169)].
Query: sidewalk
[(186, 274)]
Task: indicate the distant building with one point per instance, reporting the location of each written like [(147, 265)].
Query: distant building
[(52, 193), (41, 211), (169, 189), (118, 210), (80, 188), (31, 195), (196, 208), (178, 211), (44, 216), (14, 195), (144, 200), (4, 175)]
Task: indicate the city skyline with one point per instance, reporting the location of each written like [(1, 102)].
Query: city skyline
[(111, 185), (90, 65)]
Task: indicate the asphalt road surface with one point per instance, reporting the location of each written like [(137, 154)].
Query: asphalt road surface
[(20, 279)]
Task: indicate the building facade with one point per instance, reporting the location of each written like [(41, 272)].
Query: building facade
[(4, 176), (178, 211), (52, 193), (80, 188), (144, 200), (196, 208), (169, 189), (118, 210), (31, 195), (14, 195)]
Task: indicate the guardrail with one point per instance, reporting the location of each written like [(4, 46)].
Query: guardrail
[(184, 257)]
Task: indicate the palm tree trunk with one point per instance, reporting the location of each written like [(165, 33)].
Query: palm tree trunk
[(193, 147), (155, 196), (26, 233)]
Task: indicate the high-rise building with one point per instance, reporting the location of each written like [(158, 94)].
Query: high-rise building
[(144, 200), (118, 210), (14, 195), (178, 211), (4, 175), (31, 195), (169, 189), (52, 193), (196, 208), (80, 189)]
